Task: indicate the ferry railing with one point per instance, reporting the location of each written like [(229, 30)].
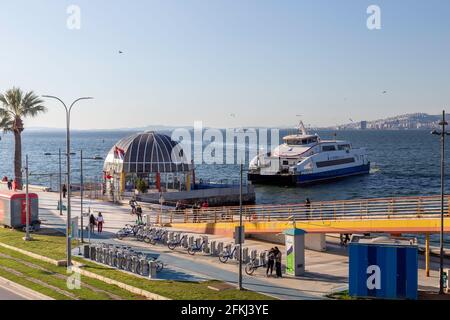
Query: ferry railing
[(370, 209)]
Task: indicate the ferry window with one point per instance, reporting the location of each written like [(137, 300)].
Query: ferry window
[(305, 141), (344, 146), (328, 148), (285, 163)]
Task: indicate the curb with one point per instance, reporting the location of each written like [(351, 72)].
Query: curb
[(77, 268), (58, 263), (23, 291), (141, 292)]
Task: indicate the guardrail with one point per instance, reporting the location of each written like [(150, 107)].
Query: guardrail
[(380, 208)]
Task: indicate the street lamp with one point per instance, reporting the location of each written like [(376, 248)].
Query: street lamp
[(442, 134), (241, 235), (82, 188), (27, 203), (68, 222)]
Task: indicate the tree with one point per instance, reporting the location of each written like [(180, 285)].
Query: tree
[(15, 106)]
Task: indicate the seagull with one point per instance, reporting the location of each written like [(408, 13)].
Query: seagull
[(384, 92), (120, 52)]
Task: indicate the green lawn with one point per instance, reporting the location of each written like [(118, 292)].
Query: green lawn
[(342, 295), (31, 269), (53, 246)]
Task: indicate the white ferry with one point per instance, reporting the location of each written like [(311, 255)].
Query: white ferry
[(304, 158)]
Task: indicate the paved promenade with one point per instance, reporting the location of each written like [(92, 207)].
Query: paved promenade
[(326, 272)]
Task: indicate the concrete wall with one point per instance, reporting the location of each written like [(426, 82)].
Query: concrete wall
[(313, 241)]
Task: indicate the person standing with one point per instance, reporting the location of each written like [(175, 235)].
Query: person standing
[(270, 262), (308, 208), (64, 190), (100, 222), (92, 223), (139, 214), (10, 183), (133, 205), (278, 256)]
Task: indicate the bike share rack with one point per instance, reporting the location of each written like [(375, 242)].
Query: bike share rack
[(123, 258)]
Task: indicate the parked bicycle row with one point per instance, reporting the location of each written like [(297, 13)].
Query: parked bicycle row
[(173, 240), (124, 258)]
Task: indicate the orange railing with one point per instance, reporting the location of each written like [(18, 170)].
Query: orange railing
[(380, 208)]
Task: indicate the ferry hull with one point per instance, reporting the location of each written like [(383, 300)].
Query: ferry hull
[(303, 179)]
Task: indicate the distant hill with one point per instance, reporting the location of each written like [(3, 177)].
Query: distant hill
[(412, 121)]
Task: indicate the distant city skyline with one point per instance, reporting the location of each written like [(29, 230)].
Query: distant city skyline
[(228, 64)]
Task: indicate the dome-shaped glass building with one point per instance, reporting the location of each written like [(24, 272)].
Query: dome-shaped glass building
[(151, 156)]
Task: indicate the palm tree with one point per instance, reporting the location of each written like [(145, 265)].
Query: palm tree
[(15, 105)]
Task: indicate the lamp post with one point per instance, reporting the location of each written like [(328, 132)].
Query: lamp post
[(442, 134), (240, 227), (68, 222), (27, 203)]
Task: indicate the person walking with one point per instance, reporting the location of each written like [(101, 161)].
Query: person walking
[(92, 223), (100, 222), (270, 262), (64, 190), (139, 214), (10, 183), (278, 256)]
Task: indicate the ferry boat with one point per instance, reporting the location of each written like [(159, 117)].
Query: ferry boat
[(304, 158)]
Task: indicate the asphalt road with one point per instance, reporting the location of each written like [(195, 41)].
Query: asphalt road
[(9, 295)]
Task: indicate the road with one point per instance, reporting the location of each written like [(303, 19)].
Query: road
[(9, 295)]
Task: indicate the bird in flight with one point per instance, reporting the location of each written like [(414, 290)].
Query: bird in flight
[(120, 52), (384, 92)]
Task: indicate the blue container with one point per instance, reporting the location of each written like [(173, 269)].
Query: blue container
[(385, 271)]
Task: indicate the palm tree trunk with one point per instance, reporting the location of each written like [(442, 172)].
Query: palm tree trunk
[(18, 159)]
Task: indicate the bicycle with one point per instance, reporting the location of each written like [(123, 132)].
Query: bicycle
[(196, 248), (253, 265), (159, 237), (227, 254), (173, 244)]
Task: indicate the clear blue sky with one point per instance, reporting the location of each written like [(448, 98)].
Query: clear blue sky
[(265, 61)]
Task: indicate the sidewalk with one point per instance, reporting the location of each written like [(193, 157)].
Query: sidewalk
[(326, 272)]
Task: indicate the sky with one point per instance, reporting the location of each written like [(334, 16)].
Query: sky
[(227, 63)]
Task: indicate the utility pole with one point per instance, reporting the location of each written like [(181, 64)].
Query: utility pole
[(442, 134), (60, 185), (240, 227), (27, 203), (81, 194)]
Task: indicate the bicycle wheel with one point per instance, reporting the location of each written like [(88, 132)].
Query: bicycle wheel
[(191, 251), (147, 239), (153, 241), (159, 266), (250, 268), (172, 246), (223, 257)]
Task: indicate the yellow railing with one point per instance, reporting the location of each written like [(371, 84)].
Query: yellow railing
[(380, 208)]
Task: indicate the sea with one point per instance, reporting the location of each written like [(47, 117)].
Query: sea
[(404, 163)]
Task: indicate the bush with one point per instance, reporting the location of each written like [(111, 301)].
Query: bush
[(141, 185)]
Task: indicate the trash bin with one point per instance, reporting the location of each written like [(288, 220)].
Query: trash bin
[(385, 268)]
